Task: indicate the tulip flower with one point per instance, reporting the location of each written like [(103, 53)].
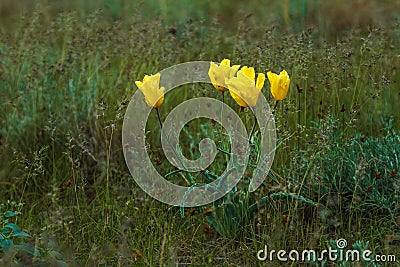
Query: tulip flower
[(244, 89), (219, 73), (150, 87), (279, 84)]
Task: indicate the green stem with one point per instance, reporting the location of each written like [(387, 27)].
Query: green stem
[(224, 151), (254, 127), (159, 118), (173, 172), (276, 104), (298, 123)]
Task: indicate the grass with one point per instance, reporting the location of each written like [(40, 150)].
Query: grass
[(67, 73)]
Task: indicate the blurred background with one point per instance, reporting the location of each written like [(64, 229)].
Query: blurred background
[(330, 16)]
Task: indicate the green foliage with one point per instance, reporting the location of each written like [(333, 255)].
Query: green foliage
[(359, 174), (235, 211), (13, 249), (9, 231), (231, 215)]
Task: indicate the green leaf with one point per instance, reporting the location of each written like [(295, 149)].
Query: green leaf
[(13, 227), (28, 249), (256, 206), (9, 213), (20, 234), (214, 224), (5, 231), (61, 263), (56, 254), (6, 244), (293, 196)]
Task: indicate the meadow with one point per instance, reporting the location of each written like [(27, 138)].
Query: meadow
[(68, 71)]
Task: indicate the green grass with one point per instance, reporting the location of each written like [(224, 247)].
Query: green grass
[(67, 73)]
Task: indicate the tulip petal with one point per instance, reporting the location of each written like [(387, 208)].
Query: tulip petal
[(235, 67), (247, 72), (226, 62), (218, 74), (139, 84), (279, 84), (242, 92), (260, 81), (272, 77), (212, 73), (154, 95)]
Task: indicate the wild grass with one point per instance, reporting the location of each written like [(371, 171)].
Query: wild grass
[(66, 79)]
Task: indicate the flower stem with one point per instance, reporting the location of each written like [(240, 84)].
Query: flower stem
[(254, 127), (159, 118), (276, 104), (223, 97)]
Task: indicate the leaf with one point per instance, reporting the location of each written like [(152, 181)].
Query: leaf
[(5, 231), (256, 206), (28, 249), (61, 263), (56, 254), (9, 213), (6, 244), (13, 227), (20, 234), (293, 196), (214, 224)]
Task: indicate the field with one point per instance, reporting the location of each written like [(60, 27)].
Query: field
[(68, 72)]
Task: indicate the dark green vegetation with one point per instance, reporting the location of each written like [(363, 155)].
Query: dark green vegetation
[(67, 73)]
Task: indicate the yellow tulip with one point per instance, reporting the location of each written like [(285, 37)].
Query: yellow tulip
[(218, 74), (279, 84), (244, 89), (150, 87)]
